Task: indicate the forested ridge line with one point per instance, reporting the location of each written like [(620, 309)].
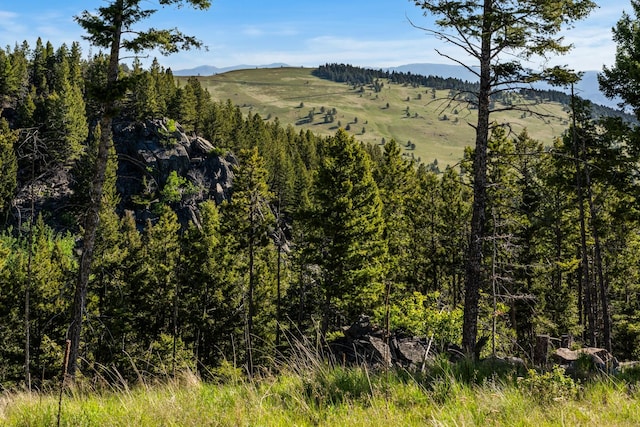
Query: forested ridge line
[(353, 75)]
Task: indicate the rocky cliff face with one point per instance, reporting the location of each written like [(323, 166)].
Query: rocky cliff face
[(148, 152)]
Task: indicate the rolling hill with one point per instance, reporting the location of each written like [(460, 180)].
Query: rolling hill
[(587, 88), (425, 121)]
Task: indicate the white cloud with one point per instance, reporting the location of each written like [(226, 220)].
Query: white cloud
[(50, 26), (276, 30), (252, 31), (319, 50), (10, 24)]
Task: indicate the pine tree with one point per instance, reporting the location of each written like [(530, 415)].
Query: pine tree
[(485, 29), (118, 329), (66, 126), (109, 29), (6, 76), (397, 183), (455, 215), (161, 289), (621, 80), (40, 266), (38, 69), (109, 282), (19, 70), (212, 304), (347, 227), (183, 108), (8, 165), (424, 217), (202, 103), (251, 219)]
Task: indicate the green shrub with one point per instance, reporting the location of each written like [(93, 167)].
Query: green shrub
[(176, 188), (423, 315), (167, 137), (159, 359), (217, 152), (549, 386), (171, 125)]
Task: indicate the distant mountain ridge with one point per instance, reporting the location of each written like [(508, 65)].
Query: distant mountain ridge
[(587, 88), (210, 70)]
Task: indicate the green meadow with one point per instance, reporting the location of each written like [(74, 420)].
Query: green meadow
[(325, 396), (437, 126)]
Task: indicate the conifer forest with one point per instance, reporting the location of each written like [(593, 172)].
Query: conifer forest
[(149, 229)]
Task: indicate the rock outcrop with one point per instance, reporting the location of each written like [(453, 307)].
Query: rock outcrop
[(149, 151), (365, 343)]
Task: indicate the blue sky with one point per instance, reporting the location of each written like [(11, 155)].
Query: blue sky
[(371, 33)]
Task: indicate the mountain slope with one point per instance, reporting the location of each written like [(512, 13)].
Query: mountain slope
[(587, 88), (426, 122)]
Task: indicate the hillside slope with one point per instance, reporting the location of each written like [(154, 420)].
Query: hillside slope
[(426, 122)]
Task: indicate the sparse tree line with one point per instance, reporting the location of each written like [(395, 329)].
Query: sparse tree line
[(463, 90), (317, 231)]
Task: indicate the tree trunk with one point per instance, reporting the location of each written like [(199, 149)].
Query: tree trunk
[(585, 277), (251, 308), (278, 294), (598, 268), (280, 240), (92, 218), (473, 268)]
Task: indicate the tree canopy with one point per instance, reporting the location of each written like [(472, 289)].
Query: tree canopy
[(488, 31)]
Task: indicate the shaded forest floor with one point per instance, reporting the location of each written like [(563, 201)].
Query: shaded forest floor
[(445, 395)]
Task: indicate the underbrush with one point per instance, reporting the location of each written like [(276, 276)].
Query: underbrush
[(308, 391)]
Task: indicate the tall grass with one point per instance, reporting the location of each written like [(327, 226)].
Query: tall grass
[(309, 391)]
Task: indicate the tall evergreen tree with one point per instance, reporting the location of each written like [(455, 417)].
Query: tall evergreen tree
[(213, 301), (66, 127), (20, 70), (251, 217), (161, 289), (621, 80), (455, 215), (397, 183), (6, 75), (109, 29), (347, 227), (485, 30), (38, 70), (8, 165)]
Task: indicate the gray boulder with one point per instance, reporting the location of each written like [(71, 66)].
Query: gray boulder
[(599, 358)]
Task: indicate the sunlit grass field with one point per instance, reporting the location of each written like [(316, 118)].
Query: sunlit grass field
[(320, 395), (414, 115)]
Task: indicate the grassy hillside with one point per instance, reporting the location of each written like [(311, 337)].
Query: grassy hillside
[(438, 128)]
